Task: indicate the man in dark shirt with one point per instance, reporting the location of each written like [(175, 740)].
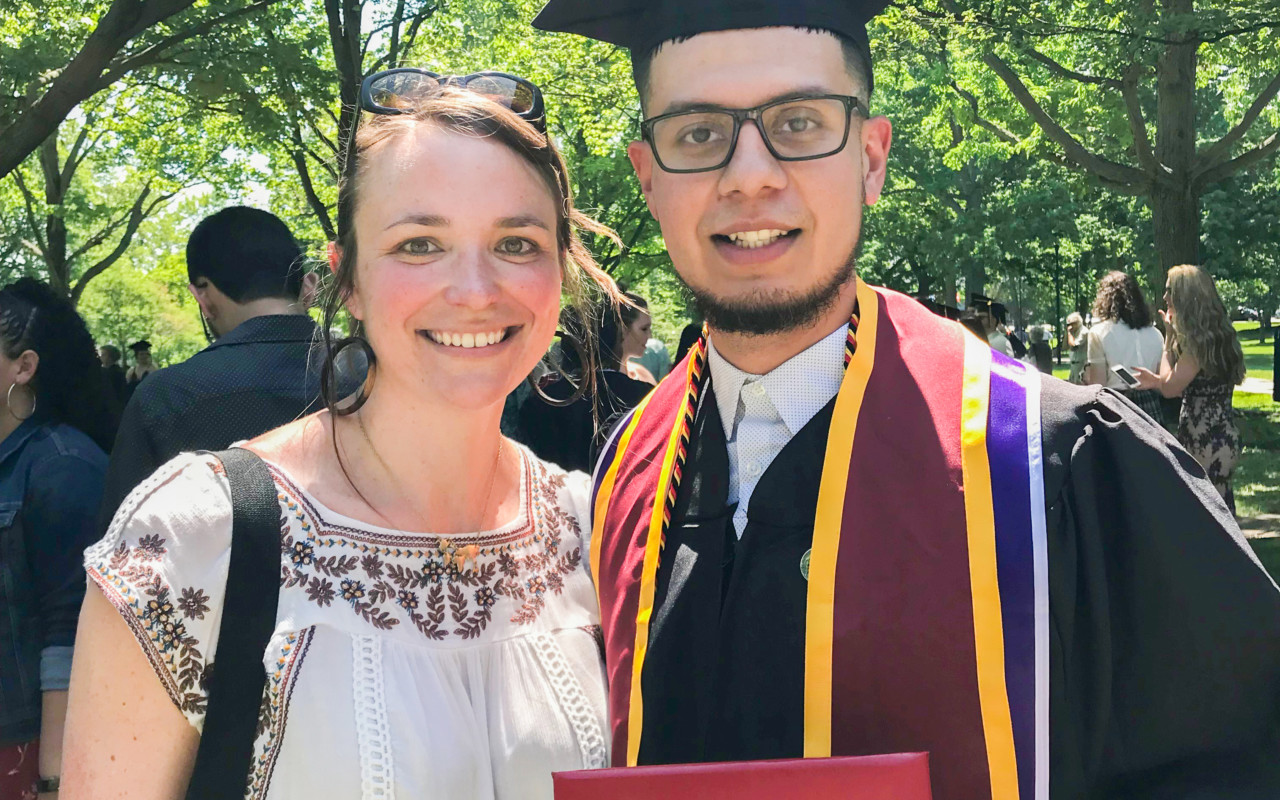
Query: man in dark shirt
[(246, 272)]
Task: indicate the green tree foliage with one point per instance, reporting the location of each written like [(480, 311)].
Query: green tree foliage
[(1037, 145), (1158, 100)]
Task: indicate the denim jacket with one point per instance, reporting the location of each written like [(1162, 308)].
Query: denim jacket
[(50, 487)]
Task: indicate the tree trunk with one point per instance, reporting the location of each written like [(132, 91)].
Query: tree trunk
[(975, 279), (1176, 215), (1174, 206)]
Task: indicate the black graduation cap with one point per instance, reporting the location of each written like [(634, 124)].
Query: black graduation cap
[(980, 301), (641, 25), (141, 344)]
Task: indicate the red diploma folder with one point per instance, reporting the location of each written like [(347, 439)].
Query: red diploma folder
[(901, 776)]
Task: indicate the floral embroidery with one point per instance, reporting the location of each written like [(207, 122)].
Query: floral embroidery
[(442, 587), (131, 583), (194, 602), (274, 711), (303, 554), (150, 548)]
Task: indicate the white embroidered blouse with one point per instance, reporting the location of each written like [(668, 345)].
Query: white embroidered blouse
[(402, 665)]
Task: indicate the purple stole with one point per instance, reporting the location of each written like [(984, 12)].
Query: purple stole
[(927, 612)]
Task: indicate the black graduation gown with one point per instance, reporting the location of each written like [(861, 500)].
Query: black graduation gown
[(1164, 630)]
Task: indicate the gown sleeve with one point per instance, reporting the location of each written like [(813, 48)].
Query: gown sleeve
[(1165, 629), (163, 565)]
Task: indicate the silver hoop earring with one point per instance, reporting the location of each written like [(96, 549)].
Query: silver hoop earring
[(578, 390), (8, 402)]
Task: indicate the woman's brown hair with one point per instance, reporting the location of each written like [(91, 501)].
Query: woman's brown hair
[(470, 114), (1120, 298), (1202, 327)]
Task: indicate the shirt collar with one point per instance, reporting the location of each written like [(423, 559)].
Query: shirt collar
[(798, 388), (18, 437), (269, 328)]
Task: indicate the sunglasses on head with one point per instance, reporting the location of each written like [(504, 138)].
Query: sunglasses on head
[(400, 91)]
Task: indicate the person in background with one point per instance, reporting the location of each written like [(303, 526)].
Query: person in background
[(1000, 313), (1123, 336), (113, 374), (689, 336), (992, 316), (54, 426), (1077, 345), (656, 358), (1202, 362), (975, 323), (637, 329), (142, 366), (1039, 351), (570, 435), (247, 274)]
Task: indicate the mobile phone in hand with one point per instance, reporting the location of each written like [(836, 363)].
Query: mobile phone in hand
[(1128, 377)]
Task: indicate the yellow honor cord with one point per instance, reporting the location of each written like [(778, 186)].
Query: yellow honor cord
[(820, 604), (601, 509), (988, 626), (648, 578)]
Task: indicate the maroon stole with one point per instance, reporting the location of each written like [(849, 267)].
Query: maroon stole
[(912, 641)]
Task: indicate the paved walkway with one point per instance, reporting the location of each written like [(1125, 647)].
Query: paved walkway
[(1263, 526), (1256, 386)]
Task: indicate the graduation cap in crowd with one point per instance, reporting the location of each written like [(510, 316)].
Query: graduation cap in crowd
[(642, 25), (980, 301), (941, 309), (141, 344)]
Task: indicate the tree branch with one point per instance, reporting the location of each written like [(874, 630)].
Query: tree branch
[(982, 122), (160, 49), (1070, 74), (1119, 175), (329, 143), (137, 213), (1138, 122), (123, 20), (1219, 150), (308, 188), (1205, 178), (29, 200), (74, 156)]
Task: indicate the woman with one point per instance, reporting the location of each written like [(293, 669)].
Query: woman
[(53, 429), (460, 663), (1203, 363), (1078, 345), (637, 328), (142, 366), (1124, 336), (569, 435)]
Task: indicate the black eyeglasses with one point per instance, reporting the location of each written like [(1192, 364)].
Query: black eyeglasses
[(795, 129), (400, 91)]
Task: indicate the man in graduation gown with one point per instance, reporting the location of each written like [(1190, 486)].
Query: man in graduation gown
[(845, 526)]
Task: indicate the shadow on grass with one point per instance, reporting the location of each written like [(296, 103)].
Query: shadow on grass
[(1268, 551)]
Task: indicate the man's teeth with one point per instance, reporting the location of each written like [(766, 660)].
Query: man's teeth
[(467, 339), (754, 239)]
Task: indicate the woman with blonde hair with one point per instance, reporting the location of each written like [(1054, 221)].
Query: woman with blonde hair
[(435, 633), (1203, 363)]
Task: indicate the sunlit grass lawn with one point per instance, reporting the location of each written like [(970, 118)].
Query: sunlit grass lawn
[(1257, 477), (1258, 354)]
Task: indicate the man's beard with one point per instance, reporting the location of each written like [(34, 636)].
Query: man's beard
[(777, 311)]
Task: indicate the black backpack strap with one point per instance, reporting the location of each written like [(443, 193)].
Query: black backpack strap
[(236, 678)]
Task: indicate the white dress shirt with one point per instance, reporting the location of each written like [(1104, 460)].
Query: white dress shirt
[(761, 413)]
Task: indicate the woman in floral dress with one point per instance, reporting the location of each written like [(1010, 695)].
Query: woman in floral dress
[(1203, 362), (437, 626)]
